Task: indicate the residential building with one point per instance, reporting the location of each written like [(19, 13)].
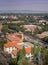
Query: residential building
[(42, 35), (18, 37), (31, 27), (16, 43), (13, 48)]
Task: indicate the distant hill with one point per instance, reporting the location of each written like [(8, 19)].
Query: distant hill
[(21, 11)]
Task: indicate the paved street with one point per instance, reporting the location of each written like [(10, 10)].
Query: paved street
[(35, 40)]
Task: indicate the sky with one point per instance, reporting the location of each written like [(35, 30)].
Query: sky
[(37, 5)]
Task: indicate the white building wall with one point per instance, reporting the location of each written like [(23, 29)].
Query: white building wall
[(6, 49), (13, 56), (28, 55), (10, 49)]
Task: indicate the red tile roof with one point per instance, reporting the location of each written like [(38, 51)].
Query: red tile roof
[(28, 50), (15, 52), (14, 37), (11, 44), (32, 26)]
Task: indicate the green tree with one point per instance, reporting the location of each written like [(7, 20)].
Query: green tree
[(12, 62), (46, 56), (21, 54), (24, 62), (45, 39), (5, 28), (19, 58), (2, 43)]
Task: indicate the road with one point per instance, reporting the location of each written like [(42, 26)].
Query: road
[(33, 39)]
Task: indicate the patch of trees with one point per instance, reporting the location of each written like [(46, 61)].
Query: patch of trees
[(40, 55), (20, 59), (46, 17), (2, 43), (45, 27), (45, 39), (5, 29)]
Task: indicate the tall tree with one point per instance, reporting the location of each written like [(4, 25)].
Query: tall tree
[(5, 28)]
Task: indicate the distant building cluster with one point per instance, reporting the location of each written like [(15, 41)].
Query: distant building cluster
[(8, 17)]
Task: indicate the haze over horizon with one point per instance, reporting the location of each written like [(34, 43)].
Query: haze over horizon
[(34, 5)]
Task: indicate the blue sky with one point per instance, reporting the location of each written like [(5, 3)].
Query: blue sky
[(37, 5)]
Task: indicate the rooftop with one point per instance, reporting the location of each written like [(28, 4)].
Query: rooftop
[(32, 26), (42, 35), (19, 46), (15, 37)]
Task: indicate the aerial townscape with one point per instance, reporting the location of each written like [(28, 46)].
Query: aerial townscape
[(23, 39), (23, 32)]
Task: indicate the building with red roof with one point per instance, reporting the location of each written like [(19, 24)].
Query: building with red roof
[(13, 47), (16, 43), (18, 37)]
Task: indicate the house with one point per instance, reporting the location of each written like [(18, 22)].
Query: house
[(42, 21), (31, 27), (18, 37), (1, 27), (13, 48), (16, 43), (42, 35)]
